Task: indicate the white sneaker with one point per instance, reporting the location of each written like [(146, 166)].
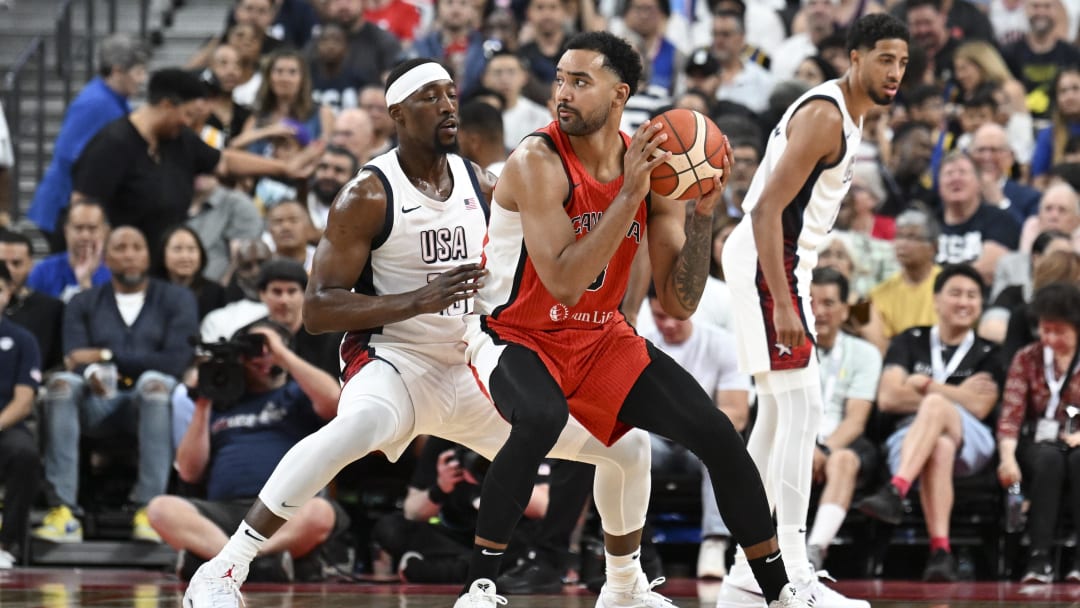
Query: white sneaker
[(820, 596), (216, 584), (642, 596), (481, 595), (710, 559), (788, 599)]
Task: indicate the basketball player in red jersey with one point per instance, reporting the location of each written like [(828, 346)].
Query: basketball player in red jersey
[(567, 215)]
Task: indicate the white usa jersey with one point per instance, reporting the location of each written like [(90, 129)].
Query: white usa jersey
[(805, 221), (421, 238), (811, 214)]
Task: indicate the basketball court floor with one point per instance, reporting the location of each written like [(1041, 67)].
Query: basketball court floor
[(68, 588)]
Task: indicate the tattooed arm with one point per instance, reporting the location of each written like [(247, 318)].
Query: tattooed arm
[(680, 247)]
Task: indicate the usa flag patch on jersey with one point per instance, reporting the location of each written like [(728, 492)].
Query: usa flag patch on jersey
[(471, 203)]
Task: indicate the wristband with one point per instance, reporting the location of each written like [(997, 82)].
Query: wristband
[(436, 495), (824, 449)]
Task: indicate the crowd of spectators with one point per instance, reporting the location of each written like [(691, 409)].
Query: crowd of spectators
[(945, 301)]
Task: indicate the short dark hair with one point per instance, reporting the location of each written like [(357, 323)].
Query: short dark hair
[(619, 56), (522, 61), (923, 93), (835, 40), (281, 269), (400, 69), (961, 270), (85, 202), (481, 91), (914, 4), (176, 86), (1042, 241), (831, 276), (1058, 301), (482, 118), (281, 330), (11, 237), (5, 274), (869, 29), (739, 17), (663, 5), (342, 151), (905, 129), (981, 97)]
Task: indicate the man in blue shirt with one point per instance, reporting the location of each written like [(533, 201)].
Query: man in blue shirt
[(125, 344), (121, 74), (20, 469), (234, 448), (64, 274)]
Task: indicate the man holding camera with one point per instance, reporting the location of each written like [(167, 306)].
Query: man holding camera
[(431, 538), (234, 446), (125, 345)]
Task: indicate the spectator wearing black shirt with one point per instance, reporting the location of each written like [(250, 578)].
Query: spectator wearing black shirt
[(928, 23), (1036, 58), (143, 166), (334, 83), (372, 51), (431, 538), (944, 382), (222, 77), (20, 464), (40, 314), (905, 175), (972, 232), (181, 261), (546, 18), (281, 288)]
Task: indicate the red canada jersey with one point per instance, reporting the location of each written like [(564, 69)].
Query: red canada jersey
[(514, 296)]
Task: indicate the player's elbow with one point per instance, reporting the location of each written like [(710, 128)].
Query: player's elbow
[(315, 317)]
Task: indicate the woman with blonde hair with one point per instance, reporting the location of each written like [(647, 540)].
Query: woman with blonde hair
[(284, 97), (1065, 117), (978, 63)]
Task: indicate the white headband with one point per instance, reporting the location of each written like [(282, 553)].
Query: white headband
[(411, 81)]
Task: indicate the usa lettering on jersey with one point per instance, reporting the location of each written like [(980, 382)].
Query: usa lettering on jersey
[(443, 245)]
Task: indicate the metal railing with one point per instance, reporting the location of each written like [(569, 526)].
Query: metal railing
[(74, 41), (14, 80)]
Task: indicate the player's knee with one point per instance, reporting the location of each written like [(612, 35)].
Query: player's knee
[(544, 422), (633, 453)]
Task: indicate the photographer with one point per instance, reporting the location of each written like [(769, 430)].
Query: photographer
[(431, 539), (1037, 436), (235, 446)]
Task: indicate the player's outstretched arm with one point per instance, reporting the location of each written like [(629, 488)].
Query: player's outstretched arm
[(356, 218), (814, 135), (534, 183)]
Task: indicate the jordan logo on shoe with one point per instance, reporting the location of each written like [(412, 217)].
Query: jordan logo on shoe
[(229, 573)]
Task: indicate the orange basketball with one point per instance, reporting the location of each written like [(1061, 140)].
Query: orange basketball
[(697, 154)]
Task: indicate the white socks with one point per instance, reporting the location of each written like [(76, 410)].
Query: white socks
[(827, 523), (622, 571), (243, 546)]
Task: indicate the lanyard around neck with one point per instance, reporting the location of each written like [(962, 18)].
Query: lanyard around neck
[(942, 371)]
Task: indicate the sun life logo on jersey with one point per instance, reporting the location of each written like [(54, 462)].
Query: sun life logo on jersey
[(559, 313)]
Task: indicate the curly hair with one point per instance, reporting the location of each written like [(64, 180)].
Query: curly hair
[(867, 30), (619, 56)]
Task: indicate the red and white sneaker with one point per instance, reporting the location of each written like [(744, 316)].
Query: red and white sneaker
[(216, 584)]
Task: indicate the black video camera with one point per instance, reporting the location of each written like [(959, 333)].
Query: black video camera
[(221, 373), (470, 461)]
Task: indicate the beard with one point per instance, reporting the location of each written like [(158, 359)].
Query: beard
[(579, 125), (445, 148), (879, 99), (131, 279), (325, 190)]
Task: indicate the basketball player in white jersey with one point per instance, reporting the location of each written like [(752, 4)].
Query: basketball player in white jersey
[(397, 268), (796, 193)]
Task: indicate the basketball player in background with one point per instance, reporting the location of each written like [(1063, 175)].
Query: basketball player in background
[(796, 193), (397, 268), (569, 210)]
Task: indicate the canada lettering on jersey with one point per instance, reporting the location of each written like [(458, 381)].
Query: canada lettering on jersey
[(443, 245), (585, 222)]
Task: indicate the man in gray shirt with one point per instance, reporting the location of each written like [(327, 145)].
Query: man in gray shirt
[(221, 216)]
